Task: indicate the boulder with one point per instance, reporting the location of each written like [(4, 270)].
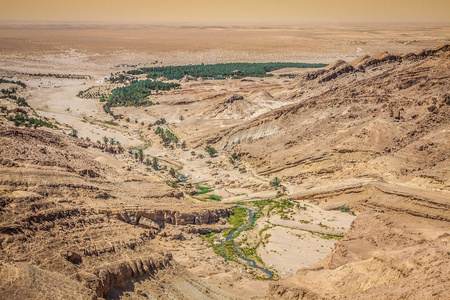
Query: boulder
[(73, 257), (176, 234), (148, 223)]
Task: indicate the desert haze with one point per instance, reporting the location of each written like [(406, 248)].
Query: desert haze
[(243, 161)]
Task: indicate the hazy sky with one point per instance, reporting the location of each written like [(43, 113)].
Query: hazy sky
[(198, 11)]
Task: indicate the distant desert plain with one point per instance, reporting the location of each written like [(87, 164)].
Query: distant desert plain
[(99, 48)]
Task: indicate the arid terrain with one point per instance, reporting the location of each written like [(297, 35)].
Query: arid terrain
[(96, 205)]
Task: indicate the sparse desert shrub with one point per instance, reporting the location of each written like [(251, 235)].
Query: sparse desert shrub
[(275, 182), (172, 184), (73, 133), (344, 208)]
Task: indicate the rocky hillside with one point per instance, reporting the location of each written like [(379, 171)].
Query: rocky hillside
[(73, 226), (238, 106), (381, 117)]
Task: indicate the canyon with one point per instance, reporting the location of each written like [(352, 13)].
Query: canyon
[(360, 149)]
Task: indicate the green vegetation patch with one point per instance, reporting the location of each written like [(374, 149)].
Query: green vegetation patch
[(18, 82), (345, 208), (239, 216), (22, 119), (11, 93), (111, 123), (220, 71), (120, 78), (214, 197), (172, 184), (261, 204), (237, 219), (250, 253), (210, 150), (161, 121), (227, 251), (272, 205), (22, 102), (135, 94), (203, 189), (167, 136), (332, 236)]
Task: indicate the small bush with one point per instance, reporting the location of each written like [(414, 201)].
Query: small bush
[(275, 182), (74, 133), (344, 208)]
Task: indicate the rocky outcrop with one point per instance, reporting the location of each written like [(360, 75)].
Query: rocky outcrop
[(188, 78), (73, 257), (281, 291), (148, 223), (26, 281), (37, 147), (116, 274), (161, 217)]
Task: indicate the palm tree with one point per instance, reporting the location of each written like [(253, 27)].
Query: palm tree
[(141, 155), (155, 164), (172, 172)]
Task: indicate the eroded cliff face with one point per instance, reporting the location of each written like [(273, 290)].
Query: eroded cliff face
[(65, 234)]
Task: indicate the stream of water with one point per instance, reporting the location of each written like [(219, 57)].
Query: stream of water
[(250, 262)]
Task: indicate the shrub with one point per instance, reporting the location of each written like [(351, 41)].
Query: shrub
[(345, 208), (74, 133), (155, 164), (275, 182)]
